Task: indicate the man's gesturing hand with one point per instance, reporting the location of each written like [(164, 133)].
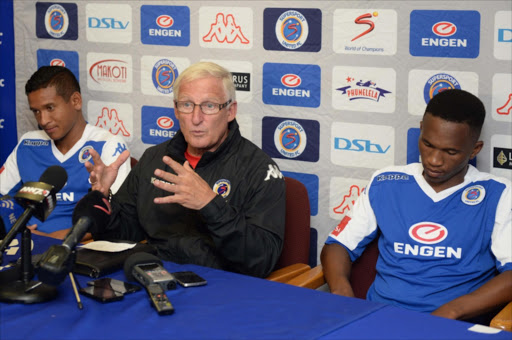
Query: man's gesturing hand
[(189, 189)]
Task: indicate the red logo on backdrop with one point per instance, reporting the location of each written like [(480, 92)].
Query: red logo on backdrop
[(428, 232), (507, 108), (348, 200), (341, 226), (444, 29), (57, 62), (291, 80), (109, 120), (225, 29), (110, 70), (362, 20), (165, 122), (165, 21)]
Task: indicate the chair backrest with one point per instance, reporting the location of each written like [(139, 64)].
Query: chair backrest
[(363, 270), (297, 226), (133, 162)]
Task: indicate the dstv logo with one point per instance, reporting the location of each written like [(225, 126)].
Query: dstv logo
[(358, 145), (112, 23)]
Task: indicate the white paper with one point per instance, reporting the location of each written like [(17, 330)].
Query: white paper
[(107, 246)]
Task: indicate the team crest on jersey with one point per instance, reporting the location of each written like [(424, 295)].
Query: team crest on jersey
[(473, 195), (222, 187), (85, 154)]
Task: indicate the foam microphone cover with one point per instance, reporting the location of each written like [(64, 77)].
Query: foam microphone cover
[(96, 206), (55, 175)]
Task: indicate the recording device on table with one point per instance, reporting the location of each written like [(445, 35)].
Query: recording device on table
[(148, 270), (38, 199), (108, 289)]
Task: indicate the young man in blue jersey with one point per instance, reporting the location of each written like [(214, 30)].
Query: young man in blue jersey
[(444, 228), (64, 139)]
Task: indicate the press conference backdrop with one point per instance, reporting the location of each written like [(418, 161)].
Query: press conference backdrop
[(332, 90)]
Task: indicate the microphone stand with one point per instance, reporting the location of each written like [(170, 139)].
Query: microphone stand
[(19, 288)]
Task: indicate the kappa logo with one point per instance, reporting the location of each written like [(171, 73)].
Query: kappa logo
[(109, 120), (428, 232), (348, 201), (362, 20), (225, 30), (57, 62), (506, 109), (273, 172)]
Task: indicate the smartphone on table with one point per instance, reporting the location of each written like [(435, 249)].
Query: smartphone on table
[(189, 279), (101, 294), (116, 285)]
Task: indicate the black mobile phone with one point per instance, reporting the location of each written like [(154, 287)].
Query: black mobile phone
[(189, 279), (101, 294), (117, 285)]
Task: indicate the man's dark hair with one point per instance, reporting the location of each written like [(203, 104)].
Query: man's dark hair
[(61, 78), (458, 106)]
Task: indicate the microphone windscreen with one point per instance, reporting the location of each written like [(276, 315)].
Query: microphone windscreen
[(136, 259), (96, 206), (56, 176)]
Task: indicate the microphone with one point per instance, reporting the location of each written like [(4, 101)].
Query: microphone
[(38, 199), (9, 213), (92, 212), (148, 270)]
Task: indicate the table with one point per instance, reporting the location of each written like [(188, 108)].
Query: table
[(230, 306)]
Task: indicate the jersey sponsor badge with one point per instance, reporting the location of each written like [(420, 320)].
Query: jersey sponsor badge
[(428, 232), (222, 187), (85, 154), (473, 195)]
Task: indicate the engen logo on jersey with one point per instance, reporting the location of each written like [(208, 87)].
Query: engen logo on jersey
[(226, 27), (292, 29), (109, 72), (296, 139), (359, 31), (158, 124), (451, 34), (68, 59), (291, 84), (428, 232), (165, 25), (56, 21)]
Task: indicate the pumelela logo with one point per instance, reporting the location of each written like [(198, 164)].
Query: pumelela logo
[(291, 84), (56, 21), (452, 34), (109, 72), (296, 139), (428, 232), (223, 27), (364, 89), (165, 25), (365, 32)]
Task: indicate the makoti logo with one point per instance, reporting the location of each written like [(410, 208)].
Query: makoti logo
[(109, 70)]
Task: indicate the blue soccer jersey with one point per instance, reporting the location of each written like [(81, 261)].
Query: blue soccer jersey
[(35, 152), (434, 247)]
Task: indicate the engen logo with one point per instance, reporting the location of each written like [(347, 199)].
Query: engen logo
[(428, 232), (291, 84), (291, 80), (109, 120), (56, 21), (225, 27), (57, 62), (444, 29), (165, 122), (165, 25), (452, 34)]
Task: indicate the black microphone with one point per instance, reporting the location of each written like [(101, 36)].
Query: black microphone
[(92, 212), (38, 199), (148, 270)]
